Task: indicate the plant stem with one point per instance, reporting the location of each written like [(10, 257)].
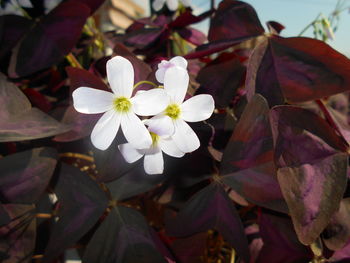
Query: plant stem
[(309, 25), (145, 82), (73, 61)]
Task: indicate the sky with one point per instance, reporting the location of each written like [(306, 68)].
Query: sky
[(293, 14)]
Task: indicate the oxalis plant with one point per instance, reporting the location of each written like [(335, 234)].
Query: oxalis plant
[(178, 147)]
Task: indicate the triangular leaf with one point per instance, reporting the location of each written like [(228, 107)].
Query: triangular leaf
[(24, 176), (82, 202)]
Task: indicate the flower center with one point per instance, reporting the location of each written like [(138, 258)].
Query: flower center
[(155, 138), (122, 104), (173, 111)]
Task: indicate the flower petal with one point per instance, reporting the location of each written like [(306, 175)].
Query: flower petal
[(158, 4), (197, 108), (160, 74), (184, 137), (153, 161), (105, 130), (175, 83), (129, 153), (161, 125), (88, 100), (172, 4), (135, 131), (150, 102), (186, 3), (120, 74), (169, 146), (179, 61)]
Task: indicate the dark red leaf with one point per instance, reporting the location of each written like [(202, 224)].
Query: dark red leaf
[(211, 208), (51, 39), (37, 99), (337, 233), (12, 28), (296, 70), (187, 18), (144, 37), (92, 4), (19, 121), (123, 237), (234, 20), (192, 35), (221, 78), (247, 165), (275, 27), (24, 176), (82, 202), (280, 242), (17, 240), (312, 169)]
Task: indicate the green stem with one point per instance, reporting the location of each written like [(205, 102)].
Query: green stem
[(310, 25), (145, 82)]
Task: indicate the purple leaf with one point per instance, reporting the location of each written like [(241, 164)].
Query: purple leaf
[(17, 240), (19, 121), (92, 4), (144, 37), (187, 18), (192, 35), (82, 202), (275, 27), (51, 39), (234, 20), (312, 169), (123, 237), (221, 78), (247, 165), (296, 70), (337, 233), (24, 176), (280, 242), (12, 28), (211, 208)]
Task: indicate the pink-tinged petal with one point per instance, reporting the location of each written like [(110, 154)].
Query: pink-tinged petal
[(197, 108), (135, 131), (150, 102), (105, 130), (160, 73), (161, 125), (172, 4), (120, 75), (179, 61), (184, 137), (169, 146), (153, 161), (176, 83), (88, 100), (158, 4), (129, 153)]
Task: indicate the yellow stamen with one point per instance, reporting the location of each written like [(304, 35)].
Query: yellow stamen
[(173, 111), (155, 138), (122, 104)]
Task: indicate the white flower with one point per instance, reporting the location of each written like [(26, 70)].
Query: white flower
[(118, 107), (164, 65), (171, 4), (177, 112), (161, 141)]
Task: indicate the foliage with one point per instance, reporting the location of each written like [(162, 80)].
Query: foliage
[(269, 182)]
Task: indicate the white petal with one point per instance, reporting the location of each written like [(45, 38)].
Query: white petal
[(153, 161), (175, 83), (105, 130), (161, 125), (172, 4), (179, 61), (25, 3), (88, 100), (129, 153), (186, 3), (160, 74), (169, 146), (120, 74), (158, 4), (135, 131), (184, 137), (197, 108), (150, 102)]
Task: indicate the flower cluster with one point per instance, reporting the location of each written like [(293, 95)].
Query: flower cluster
[(167, 131)]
